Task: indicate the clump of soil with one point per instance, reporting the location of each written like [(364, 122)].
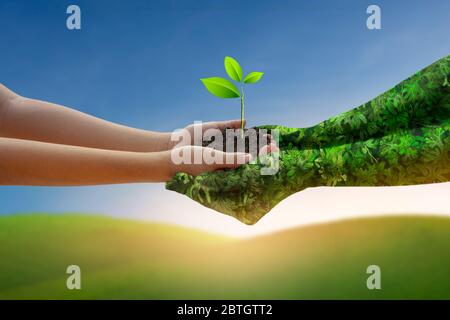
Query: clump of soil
[(231, 141)]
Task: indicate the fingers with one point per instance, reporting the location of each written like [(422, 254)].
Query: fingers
[(267, 137), (272, 147), (221, 125), (235, 124), (197, 160), (234, 160), (221, 159), (229, 124)]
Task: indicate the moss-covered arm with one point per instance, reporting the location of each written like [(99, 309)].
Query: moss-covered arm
[(401, 137)]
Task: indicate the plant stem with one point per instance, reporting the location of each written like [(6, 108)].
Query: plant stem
[(242, 112)]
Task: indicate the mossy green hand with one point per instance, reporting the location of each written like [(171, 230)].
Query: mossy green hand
[(401, 137)]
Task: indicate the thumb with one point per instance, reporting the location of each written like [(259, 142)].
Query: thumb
[(236, 124), (233, 160)]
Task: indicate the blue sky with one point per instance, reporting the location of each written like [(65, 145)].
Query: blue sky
[(139, 63)]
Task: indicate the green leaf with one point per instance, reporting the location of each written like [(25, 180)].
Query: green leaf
[(233, 69), (221, 88), (253, 77)]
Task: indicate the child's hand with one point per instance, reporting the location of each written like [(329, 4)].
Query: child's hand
[(202, 127), (195, 160), (219, 125)]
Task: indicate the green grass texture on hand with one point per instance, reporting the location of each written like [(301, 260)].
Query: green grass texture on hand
[(401, 137)]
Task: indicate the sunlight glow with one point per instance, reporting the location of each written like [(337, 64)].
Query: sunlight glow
[(315, 205)]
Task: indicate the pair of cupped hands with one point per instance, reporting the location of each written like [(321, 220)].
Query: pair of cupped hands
[(230, 160)]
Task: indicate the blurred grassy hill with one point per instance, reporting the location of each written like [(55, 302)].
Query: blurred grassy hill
[(138, 260)]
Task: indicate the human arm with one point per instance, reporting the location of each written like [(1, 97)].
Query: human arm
[(24, 162), (31, 119)]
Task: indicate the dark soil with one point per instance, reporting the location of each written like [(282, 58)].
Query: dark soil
[(254, 141)]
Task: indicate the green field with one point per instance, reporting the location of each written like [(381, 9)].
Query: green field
[(137, 260)]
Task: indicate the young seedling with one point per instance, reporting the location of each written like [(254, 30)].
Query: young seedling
[(224, 88)]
